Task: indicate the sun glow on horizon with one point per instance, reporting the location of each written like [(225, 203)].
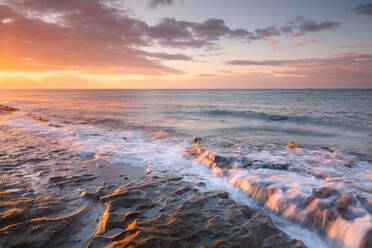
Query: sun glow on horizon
[(106, 45)]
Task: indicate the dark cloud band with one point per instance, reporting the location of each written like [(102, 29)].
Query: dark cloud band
[(157, 3), (364, 9)]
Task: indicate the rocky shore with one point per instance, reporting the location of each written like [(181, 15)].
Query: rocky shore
[(165, 211), (50, 197)]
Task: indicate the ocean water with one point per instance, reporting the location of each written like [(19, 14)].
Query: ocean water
[(323, 188)]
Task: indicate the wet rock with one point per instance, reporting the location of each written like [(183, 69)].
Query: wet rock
[(327, 148), (324, 192), (249, 162), (292, 145), (344, 203), (39, 118), (367, 240), (274, 166), (94, 134), (349, 164), (277, 118), (222, 195), (8, 109), (183, 190), (174, 178), (61, 181), (223, 162), (146, 204), (92, 192), (39, 232), (112, 221), (57, 179), (131, 216), (156, 217), (367, 203), (201, 184), (33, 211), (36, 160), (13, 215)]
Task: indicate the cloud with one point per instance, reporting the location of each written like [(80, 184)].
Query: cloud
[(173, 33), (253, 62), (97, 36), (183, 34), (344, 59), (157, 3), (249, 80), (207, 75), (273, 43), (266, 32), (359, 46), (305, 42), (301, 26), (167, 56), (348, 68), (227, 71), (93, 38), (364, 9)]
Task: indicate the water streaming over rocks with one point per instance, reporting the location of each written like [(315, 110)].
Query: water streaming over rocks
[(331, 200)]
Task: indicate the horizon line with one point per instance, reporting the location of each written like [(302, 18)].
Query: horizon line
[(190, 89)]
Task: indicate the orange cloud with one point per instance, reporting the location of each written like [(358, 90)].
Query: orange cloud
[(304, 42)]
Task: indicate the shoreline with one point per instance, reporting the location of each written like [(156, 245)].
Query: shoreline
[(65, 196), (163, 209), (86, 202)]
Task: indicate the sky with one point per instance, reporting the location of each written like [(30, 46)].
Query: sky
[(185, 44)]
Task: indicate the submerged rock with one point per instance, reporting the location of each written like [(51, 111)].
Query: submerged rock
[(8, 109), (200, 152), (40, 119)]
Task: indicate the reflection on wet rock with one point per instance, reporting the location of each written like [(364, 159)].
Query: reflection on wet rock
[(163, 211), (33, 212)]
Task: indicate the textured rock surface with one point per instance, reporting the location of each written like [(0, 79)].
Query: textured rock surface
[(164, 211)]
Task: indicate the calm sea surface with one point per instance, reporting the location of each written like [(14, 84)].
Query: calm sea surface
[(334, 118)]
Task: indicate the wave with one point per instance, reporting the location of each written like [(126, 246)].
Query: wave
[(330, 200), (330, 120), (245, 114)]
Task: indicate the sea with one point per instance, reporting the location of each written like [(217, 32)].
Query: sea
[(318, 190)]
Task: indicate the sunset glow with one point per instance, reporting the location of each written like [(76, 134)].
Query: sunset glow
[(184, 44)]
